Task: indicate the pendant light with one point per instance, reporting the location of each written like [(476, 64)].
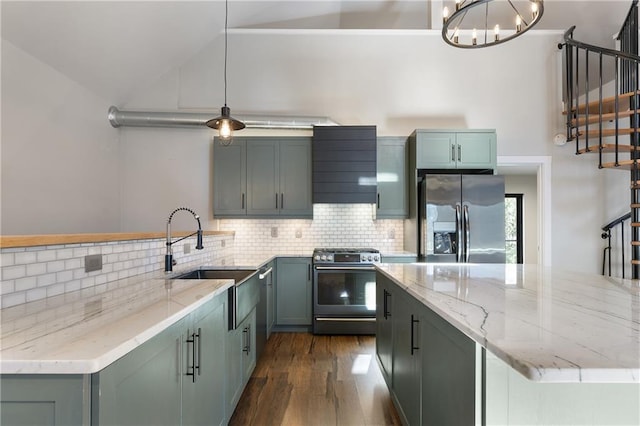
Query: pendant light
[(225, 124)]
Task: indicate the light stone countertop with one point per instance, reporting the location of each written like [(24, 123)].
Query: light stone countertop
[(547, 324), (84, 331)]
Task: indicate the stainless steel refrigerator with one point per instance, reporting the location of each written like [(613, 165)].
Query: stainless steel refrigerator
[(461, 218)]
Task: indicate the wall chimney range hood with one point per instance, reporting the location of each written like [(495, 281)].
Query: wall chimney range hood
[(344, 164)]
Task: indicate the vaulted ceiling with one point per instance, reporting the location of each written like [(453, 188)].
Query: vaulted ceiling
[(112, 47)]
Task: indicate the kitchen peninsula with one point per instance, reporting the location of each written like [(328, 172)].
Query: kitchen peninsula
[(545, 346)]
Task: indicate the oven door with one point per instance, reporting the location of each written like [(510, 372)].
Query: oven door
[(344, 291)]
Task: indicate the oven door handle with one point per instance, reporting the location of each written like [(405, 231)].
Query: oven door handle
[(345, 268)]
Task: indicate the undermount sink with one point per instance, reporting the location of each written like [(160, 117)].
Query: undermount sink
[(237, 275)]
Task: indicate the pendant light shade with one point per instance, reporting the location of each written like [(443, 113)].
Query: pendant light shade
[(225, 124)]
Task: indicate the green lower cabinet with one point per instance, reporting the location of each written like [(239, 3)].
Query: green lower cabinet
[(428, 365), (154, 384), (407, 358), (448, 373), (241, 360), (293, 291), (39, 399), (384, 327)]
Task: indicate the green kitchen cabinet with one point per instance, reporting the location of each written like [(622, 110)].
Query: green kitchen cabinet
[(407, 357), (263, 177), (428, 364), (384, 327), (270, 279), (392, 201), (293, 291), (230, 178), (241, 359), (448, 373), (183, 367), (454, 149), (44, 399)]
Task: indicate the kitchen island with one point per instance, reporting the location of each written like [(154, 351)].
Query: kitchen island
[(545, 346)]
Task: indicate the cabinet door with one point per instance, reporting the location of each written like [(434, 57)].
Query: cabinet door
[(384, 327), (407, 358), (263, 191), (295, 177), (448, 373), (293, 291), (229, 179), (435, 150), (144, 386), (233, 388), (248, 347), (43, 399), (203, 398), (392, 178), (476, 150)]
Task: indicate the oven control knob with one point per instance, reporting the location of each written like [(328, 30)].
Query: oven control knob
[(330, 258), (317, 257), (370, 258), (376, 258), (324, 257)]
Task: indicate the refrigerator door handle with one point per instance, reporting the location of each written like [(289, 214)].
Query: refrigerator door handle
[(467, 234), (460, 245)]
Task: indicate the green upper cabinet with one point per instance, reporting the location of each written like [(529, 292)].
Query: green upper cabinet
[(392, 200), (263, 177), (230, 178), (454, 149)]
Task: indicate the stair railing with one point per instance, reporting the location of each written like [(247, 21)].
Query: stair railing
[(626, 65), (606, 235)]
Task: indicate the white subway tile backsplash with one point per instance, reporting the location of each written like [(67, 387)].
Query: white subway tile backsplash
[(46, 255), (25, 258), (52, 270), (13, 272)]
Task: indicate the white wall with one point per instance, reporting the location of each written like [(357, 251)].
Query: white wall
[(60, 168)]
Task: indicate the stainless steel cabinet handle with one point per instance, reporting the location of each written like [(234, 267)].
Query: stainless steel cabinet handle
[(453, 153), (282, 200), (378, 203), (276, 200), (245, 346), (243, 200), (263, 275), (459, 153)]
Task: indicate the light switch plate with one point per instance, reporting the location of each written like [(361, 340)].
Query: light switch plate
[(274, 232), (187, 248)]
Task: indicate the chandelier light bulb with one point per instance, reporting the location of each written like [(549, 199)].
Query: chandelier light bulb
[(445, 14), (496, 31), (455, 35), (534, 10), (518, 23), (474, 37), (457, 4)]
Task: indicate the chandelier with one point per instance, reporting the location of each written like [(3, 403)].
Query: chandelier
[(471, 24)]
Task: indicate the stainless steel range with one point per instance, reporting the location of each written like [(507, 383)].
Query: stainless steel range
[(344, 290)]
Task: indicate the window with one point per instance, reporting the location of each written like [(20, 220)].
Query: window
[(513, 228)]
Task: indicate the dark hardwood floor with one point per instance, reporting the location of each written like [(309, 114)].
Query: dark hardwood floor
[(303, 379)]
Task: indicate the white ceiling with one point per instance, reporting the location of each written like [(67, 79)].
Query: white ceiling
[(113, 47)]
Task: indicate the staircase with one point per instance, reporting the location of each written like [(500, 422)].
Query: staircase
[(601, 95)]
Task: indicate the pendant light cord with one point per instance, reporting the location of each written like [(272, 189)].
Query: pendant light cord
[(226, 18)]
